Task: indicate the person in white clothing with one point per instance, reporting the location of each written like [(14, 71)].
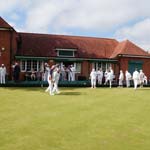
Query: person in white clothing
[(136, 78), (73, 70), (111, 70), (109, 78), (93, 78), (2, 74), (128, 78), (121, 78), (141, 76), (50, 80), (55, 78), (145, 79), (63, 73), (69, 73), (106, 75), (99, 76), (46, 71)]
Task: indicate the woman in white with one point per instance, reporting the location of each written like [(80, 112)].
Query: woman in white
[(141, 75), (2, 74), (128, 78), (121, 78), (93, 78), (100, 76), (136, 78)]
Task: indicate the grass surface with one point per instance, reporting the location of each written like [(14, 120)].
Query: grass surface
[(77, 119)]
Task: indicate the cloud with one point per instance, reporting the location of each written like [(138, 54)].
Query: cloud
[(77, 14), (123, 18), (139, 33)]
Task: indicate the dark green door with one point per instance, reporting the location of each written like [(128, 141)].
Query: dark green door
[(134, 64)]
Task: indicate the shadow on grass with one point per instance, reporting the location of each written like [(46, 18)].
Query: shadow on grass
[(143, 89), (70, 93)]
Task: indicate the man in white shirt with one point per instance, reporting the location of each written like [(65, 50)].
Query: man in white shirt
[(136, 78), (109, 78)]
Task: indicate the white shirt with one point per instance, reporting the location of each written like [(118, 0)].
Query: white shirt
[(128, 75), (93, 75), (135, 75)]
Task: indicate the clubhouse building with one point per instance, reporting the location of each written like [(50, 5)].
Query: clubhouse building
[(33, 50)]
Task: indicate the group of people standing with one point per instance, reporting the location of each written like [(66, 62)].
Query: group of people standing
[(66, 73), (15, 73), (138, 78), (97, 76)]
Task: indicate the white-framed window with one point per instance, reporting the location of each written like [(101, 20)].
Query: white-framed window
[(66, 52), (103, 65), (29, 65), (78, 67)]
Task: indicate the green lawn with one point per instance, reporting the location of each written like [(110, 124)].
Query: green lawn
[(77, 119)]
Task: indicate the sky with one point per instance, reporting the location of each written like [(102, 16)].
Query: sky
[(118, 19)]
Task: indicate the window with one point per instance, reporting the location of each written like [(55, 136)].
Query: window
[(66, 52), (103, 65), (78, 67), (29, 65)]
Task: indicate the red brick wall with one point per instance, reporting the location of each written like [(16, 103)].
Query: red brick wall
[(85, 69), (8, 42), (146, 64)]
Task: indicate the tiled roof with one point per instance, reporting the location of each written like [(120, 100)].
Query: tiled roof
[(128, 48), (44, 45), (4, 24)]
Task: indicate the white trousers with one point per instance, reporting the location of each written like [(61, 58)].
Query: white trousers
[(50, 88), (93, 83), (2, 78), (99, 80), (55, 88), (127, 83), (135, 83)]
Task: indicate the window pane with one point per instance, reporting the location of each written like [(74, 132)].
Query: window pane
[(41, 66), (66, 53), (78, 67), (23, 65), (103, 66), (34, 65), (28, 65)]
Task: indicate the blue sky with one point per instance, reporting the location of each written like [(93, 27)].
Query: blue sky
[(119, 19)]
